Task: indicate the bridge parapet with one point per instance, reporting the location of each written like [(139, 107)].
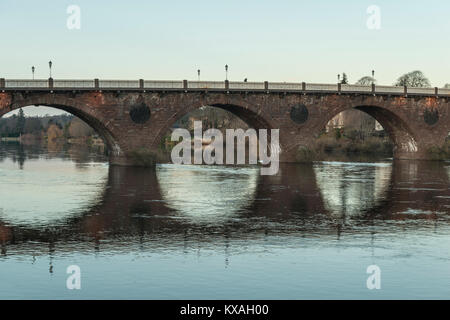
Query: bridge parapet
[(220, 86), (355, 88), (390, 89), (426, 91), (322, 87), (206, 85), (112, 84), (74, 83), (26, 84), (285, 86), (247, 85), (150, 84)]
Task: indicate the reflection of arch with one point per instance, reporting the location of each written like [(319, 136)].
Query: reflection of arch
[(192, 191), (348, 189), (52, 203), (76, 108), (401, 134), (290, 204)]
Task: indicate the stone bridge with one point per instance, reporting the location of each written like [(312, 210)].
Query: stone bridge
[(133, 116)]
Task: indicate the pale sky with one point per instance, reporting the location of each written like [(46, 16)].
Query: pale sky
[(33, 111), (281, 40)]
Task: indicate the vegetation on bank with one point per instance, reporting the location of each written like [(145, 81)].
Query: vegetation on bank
[(50, 129), (347, 142), (440, 153)]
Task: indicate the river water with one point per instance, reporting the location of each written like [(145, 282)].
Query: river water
[(210, 232)]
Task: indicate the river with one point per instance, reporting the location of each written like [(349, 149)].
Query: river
[(213, 232)]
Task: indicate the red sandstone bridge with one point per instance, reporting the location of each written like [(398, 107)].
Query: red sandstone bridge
[(133, 116)]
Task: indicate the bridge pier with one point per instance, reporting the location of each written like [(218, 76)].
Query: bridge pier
[(120, 160)]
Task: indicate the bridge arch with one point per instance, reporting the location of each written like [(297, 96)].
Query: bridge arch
[(78, 109), (246, 113), (401, 134)]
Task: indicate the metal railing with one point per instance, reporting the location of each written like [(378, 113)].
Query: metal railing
[(111, 84), (73, 83), (389, 89), (235, 85), (149, 84), (184, 85), (285, 86), (421, 90), (321, 87), (355, 88), (26, 83), (206, 85)]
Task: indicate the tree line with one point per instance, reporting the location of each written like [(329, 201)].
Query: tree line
[(50, 127), (414, 79)]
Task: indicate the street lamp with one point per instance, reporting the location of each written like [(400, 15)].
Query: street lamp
[(198, 72), (339, 78), (50, 67), (226, 72), (373, 76), (32, 71)]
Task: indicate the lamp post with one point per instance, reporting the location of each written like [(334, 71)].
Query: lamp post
[(339, 78), (373, 76), (32, 71), (198, 72), (50, 67), (226, 72)]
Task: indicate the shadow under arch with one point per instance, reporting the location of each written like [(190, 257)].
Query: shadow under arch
[(246, 114), (251, 118), (95, 123), (402, 136)]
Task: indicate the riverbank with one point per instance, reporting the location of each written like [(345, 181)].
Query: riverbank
[(351, 144)]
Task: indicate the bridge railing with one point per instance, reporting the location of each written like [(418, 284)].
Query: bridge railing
[(285, 86), (321, 87), (26, 83), (206, 85), (125, 84), (86, 84), (389, 89), (73, 84), (421, 90), (151, 84), (246, 85), (444, 91), (355, 88)]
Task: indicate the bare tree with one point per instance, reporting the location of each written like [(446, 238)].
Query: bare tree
[(366, 81), (414, 79), (447, 86)]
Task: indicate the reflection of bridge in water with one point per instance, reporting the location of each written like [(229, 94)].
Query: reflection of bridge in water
[(145, 208)]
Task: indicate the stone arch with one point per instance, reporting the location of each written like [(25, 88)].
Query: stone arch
[(403, 137), (76, 108), (405, 140), (252, 118)]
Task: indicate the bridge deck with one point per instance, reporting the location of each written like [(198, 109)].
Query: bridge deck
[(218, 86)]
